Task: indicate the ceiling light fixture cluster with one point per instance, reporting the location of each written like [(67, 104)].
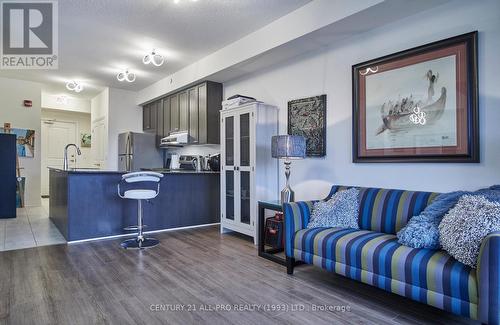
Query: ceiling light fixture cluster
[(126, 75), (74, 86), (154, 58)]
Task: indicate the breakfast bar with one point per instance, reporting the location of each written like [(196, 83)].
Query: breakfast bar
[(84, 204)]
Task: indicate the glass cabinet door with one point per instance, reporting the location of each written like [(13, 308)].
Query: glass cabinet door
[(229, 194), (229, 174), (229, 140), (245, 139), (244, 167), (245, 197)]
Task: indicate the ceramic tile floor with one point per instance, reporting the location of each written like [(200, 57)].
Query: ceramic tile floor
[(31, 228)]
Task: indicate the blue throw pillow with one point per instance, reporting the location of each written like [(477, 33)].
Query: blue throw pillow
[(340, 211), (422, 230)]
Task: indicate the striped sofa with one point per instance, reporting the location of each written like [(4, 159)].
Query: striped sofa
[(373, 255)]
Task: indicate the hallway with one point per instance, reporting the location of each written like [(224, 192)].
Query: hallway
[(31, 228)]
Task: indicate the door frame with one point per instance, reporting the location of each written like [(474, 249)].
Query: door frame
[(43, 150)]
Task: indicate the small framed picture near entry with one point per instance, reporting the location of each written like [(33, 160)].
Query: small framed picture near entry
[(418, 105), (307, 117)]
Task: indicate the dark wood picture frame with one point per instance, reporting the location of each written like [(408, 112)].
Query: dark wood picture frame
[(467, 125), (315, 136)]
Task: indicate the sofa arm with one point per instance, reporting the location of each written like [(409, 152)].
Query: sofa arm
[(488, 279), (297, 216)]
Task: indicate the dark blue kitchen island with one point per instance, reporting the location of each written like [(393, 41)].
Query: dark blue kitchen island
[(84, 204)]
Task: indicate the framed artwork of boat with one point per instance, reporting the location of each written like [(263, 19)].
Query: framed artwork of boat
[(307, 117), (418, 105)]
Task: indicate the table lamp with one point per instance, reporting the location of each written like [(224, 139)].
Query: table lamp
[(288, 147)]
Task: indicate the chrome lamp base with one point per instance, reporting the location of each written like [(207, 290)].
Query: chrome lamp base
[(287, 194)]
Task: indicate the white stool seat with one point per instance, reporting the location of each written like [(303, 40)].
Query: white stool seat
[(140, 194)]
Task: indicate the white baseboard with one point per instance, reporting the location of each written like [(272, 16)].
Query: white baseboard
[(146, 232)]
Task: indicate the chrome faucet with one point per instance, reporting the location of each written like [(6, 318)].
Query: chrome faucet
[(65, 163)]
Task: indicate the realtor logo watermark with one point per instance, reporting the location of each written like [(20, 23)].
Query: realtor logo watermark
[(29, 37)]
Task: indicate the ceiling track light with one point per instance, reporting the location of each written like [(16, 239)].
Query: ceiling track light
[(126, 76), (74, 86), (154, 58)]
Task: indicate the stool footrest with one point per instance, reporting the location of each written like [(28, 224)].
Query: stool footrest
[(129, 228), (135, 243)]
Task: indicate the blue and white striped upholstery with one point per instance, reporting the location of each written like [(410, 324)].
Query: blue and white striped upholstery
[(372, 255)]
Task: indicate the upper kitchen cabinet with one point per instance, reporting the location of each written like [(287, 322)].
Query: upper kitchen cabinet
[(183, 111), (166, 117), (160, 127), (204, 104), (194, 110), (149, 117), (174, 113)]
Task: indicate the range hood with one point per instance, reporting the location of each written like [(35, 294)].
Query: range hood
[(174, 139)]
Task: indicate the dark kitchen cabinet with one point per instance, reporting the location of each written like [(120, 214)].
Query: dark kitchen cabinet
[(174, 113), (146, 117), (202, 114), (183, 111), (193, 115), (194, 110), (149, 117), (166, 116), (209, 105), (159, 121)]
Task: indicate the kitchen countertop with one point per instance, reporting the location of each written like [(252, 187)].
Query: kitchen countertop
[(107, 171)]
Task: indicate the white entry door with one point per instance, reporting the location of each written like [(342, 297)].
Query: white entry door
[(55, 136)]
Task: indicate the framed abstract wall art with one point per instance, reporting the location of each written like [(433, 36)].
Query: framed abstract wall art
[(418, 105), (307, 117), (25, 139)]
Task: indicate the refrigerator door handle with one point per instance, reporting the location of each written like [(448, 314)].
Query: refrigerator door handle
[(127, 145), (129, 162)]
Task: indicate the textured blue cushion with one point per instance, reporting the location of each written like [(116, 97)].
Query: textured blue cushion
[(339, 211), (422, 230), (464, 227)]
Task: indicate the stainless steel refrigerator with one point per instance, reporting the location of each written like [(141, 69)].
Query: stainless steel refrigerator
[(138, 150)]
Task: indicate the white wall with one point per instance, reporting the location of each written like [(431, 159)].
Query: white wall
[(124, 115), (99, 108), (82, 121), (12, 94), (69, 103), (120, 114), (328, 71)]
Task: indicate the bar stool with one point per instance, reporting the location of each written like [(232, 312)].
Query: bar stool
[(140, 194)]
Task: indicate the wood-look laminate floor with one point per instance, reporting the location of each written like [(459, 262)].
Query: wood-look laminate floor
[(200, 270)]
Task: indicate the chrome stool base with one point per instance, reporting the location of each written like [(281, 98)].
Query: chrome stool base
[(135, 243), (134, 228)]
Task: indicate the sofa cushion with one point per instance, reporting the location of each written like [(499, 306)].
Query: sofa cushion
[(464, 227), (339, 211), (381, 254)]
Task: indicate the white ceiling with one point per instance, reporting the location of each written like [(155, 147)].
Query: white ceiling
[(98, 38)]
